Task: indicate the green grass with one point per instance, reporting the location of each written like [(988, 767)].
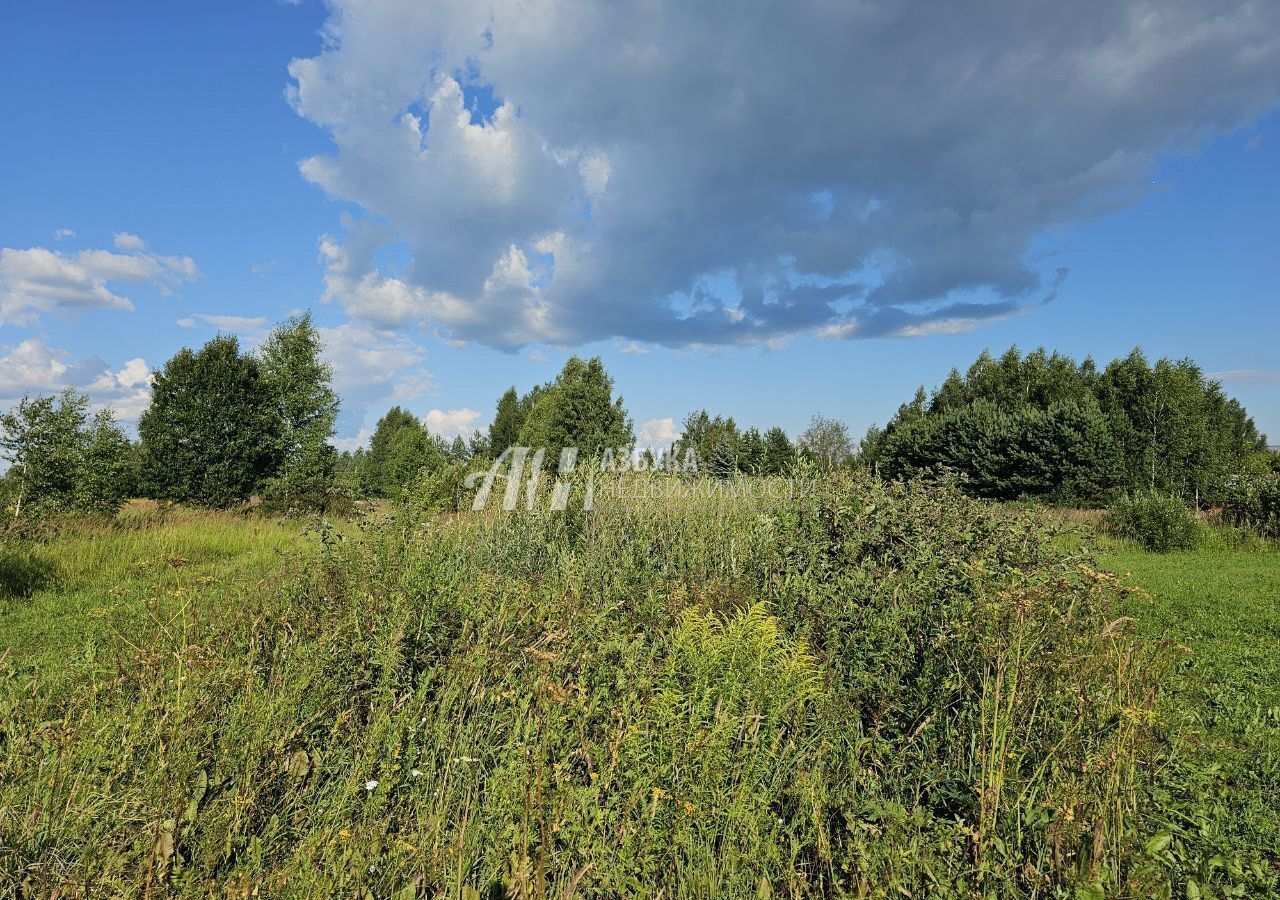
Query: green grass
[(1219, 788), (872, 691), (104, 587)]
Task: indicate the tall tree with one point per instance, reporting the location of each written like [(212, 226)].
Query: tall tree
[(399, 450), (709, 436), (826, 441), (508, 418), (301, 383), (107, 472), (752, 452), (578, 410), (212, 432), (779, 452)]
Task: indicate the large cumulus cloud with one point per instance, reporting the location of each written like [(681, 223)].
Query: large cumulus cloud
[(721, 172)]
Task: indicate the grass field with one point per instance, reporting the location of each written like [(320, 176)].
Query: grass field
[(1219, 793), (871, 692)]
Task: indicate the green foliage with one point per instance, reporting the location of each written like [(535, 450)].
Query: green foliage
[(61, 461), (712, 440), (1064, 453), (108, 470), (300, 383), (443, 488), (1254, 502), (1041, 419), (508, 418), (753, 453), (779, 453), (826, 442), (1158, 522), (399, 451), (721, 448), (577, 410), (212, 434), (878, 690)]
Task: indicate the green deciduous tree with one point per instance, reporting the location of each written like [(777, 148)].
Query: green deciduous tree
[(1043, 425), (212, 434), (301, 384), (826, 441), (508, 418), (60, 460), (400, 449), (108, 471), (577, 410)]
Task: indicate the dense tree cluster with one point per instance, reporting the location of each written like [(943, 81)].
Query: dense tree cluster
[(61, 460), (1043, 425), (212, 434), (577, 409), (401, 447), (222, 425), (722, 449)]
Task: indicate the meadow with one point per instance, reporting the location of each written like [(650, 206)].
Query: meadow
[(864, 690)]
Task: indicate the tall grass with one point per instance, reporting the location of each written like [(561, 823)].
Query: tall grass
[(868, 690)]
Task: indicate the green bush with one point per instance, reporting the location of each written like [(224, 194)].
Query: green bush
[(1156, 521), (441, 489), (1254, 503)]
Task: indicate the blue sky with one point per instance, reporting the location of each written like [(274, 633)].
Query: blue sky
[(766, 239)]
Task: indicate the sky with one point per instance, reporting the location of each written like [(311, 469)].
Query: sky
[(767, 210)]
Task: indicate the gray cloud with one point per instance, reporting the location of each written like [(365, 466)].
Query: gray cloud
[(727, 173)]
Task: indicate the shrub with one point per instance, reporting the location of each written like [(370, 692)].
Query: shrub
[(1156, 521), (1255, 503), (441, 489)]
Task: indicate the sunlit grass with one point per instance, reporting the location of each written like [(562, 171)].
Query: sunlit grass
[(869, 691)]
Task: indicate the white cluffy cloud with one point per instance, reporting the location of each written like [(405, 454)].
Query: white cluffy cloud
[(372, 368), (719, 172), (658, 433), (451, 423), (34, 368), (38, 280)]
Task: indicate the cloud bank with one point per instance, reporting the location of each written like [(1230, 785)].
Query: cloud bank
[(33, 368), (562, 171), (38, 280)]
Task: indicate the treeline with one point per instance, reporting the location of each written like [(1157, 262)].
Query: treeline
[(225, 425), (1044, 426), (576, 409), (222, 425)]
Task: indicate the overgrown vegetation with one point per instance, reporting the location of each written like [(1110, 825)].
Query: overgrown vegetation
[(1155, 521), (871, 690), (1045, 426), (839, 686), (1254, 503)]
